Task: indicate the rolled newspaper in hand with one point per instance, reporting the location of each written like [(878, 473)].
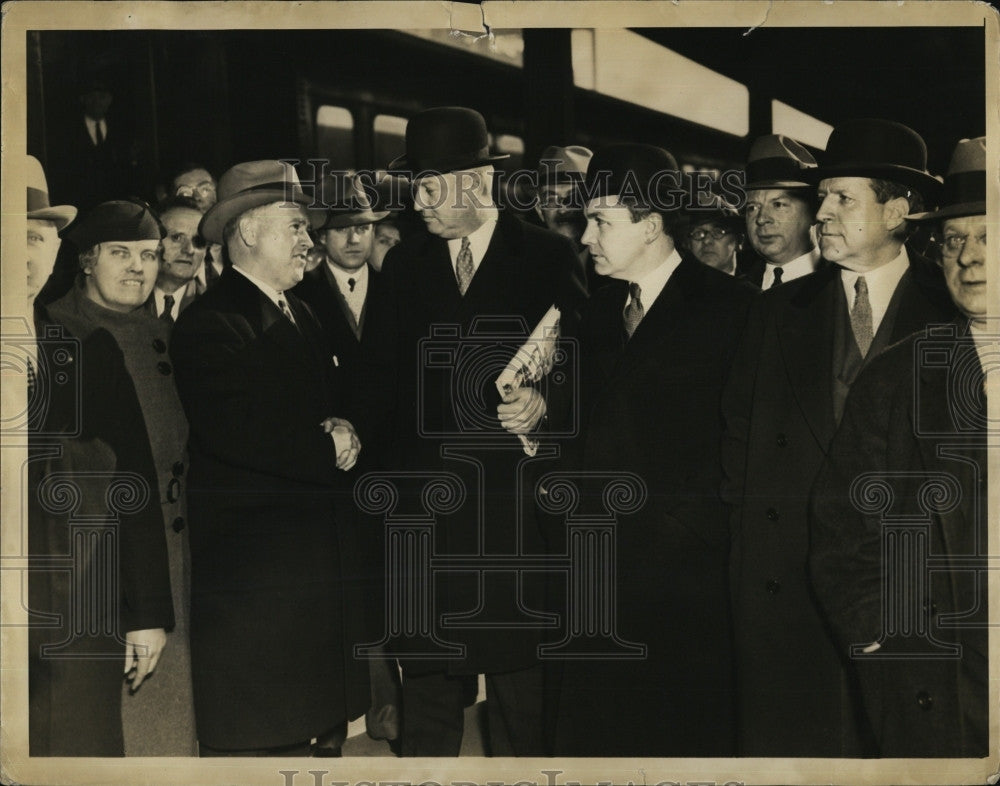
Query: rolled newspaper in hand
[(530, 363)]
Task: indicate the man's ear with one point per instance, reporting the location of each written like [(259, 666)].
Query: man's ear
[(248, 230), (654, 226), (895, 212)]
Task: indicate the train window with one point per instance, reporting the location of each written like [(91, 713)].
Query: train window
[(805, 128), (335, 136), (514, 147), (626, 65), (390, 138)]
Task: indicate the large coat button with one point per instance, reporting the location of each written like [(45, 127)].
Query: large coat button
[(173, 490), (924, 700), (159, 345), (178, 524), (164, 368)]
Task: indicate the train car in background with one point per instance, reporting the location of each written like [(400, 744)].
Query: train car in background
[(218, 97)]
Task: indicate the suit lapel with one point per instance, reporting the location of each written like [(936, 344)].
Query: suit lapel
[(805, 335), (338, 296)]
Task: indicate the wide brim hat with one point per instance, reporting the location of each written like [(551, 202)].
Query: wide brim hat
[(121, 221), (38, 198), (649, 175), (347, 203), (778, 161), (253, 184), (878, 149), (560, 165), (964, 191), (445, 139)]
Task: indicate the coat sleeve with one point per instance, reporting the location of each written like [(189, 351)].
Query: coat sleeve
[(244, 413)]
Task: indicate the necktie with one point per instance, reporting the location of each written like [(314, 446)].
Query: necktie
[(168, 309), (32, 380), (777, 276), (634, 311), (464, 270), (283, 305), (351, 282), (861, 316)]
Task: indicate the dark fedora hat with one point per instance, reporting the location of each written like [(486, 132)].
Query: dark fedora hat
[(778, 161), (646, 173), (563, 164), (964, 192), (445, 139), (876, 148), (347, 203), (253, 184), (38, 198), (120, 220)]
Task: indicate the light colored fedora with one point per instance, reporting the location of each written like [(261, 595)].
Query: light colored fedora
[(38, 198)]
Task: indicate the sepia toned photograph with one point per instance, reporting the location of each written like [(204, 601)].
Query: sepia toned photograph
[(557, 393)]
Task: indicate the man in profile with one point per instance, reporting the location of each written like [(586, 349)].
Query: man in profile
[(804, 344), (916, 421), (273, 619)]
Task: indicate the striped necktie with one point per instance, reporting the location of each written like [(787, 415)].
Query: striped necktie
[(634, 311), (464, 269)]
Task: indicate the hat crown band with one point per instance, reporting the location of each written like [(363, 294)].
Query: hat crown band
[(778, 168)]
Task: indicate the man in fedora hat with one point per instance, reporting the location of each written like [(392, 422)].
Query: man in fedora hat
[(715, 237), (472, 260), (802, 350), (655, 345), (915, 415), (45, 222), (273, 616), (780, 210), (339, 290)]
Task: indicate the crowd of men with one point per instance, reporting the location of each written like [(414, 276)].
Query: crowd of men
[(249, 356)]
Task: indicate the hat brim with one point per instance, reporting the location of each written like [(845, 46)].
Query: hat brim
[(354, 219), (60, 215), (786, 184), (951, 211), (222, 212), (403, 165), (928, 186)]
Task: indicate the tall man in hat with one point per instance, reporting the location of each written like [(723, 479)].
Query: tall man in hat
[(803, 347), (913, 418), (272, 613), (780, 210), (656, 345), (472, 260)]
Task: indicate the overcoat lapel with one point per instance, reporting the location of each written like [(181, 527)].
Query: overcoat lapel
[(805, 335)]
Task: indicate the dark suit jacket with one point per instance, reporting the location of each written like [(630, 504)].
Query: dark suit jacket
[(84, 174), (319, 289), (795, 696), (429, 360), (911, 420), (651, 407), (272, 620)]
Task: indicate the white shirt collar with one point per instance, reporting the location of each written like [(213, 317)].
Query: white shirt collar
[(882, 283), (479, 240), (272, 294), (360, 277), (652, 284), (796, 268)]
